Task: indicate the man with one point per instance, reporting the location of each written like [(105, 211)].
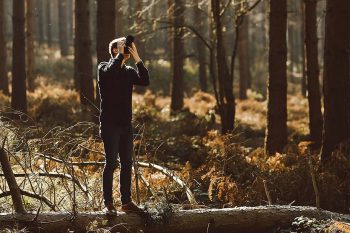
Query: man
[(115, 81)]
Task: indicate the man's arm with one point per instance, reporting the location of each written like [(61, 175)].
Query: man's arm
[(141, 76)]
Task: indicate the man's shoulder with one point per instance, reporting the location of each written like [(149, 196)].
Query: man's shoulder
[(102, 65)]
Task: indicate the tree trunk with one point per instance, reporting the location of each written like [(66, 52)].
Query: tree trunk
[(276, 130), (177, 87), (105, 28), (30, 45), (313, 71), (93, 23), (201, 49), (302, 37), (19, 87), (48, 24), (243, 56), (170, 32), (292, 49), (336, 77), (4, 85), (105, 32), (70, 22), (119, 18), (240, 219), (41, 21), (226, 103), (11, 181), (83, 60), (63, 23)]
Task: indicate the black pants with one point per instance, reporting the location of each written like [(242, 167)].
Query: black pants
[(117, 139)]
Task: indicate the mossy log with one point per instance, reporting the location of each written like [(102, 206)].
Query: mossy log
[(240, 219)]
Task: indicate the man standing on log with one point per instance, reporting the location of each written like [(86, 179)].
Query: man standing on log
[(115, 81)]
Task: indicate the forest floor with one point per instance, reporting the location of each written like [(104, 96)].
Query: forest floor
[(221, 170)]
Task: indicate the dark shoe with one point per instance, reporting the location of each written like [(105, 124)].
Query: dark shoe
[(131, 207), (110, 209)]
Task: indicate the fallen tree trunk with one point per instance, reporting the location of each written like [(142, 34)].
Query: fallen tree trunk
[(240, 219)]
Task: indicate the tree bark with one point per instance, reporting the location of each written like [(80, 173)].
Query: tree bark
[(226, 103), (70, 22), (41, 13), (19, 87), (177, 87), (336, 77), (240, 219), (170, 32), (30, 45), (201, 49), (106, 15), (303, 38), (63, 26), (243, 56), (105, 28), (276, 130), (119, 18), (313, 71), (4, 83), (11, 181), (292, 48), (48, 24), (83, 60)]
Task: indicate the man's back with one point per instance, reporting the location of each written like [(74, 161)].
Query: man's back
[(115, 86)]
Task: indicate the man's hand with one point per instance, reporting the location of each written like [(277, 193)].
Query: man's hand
[(121, 46), (134, 53)]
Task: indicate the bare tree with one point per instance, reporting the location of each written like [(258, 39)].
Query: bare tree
[(30, 44), (4, 85), (105, 28), (276, 130), (63, 26), (336, 78), (119, 18), (11, 180), (201, 50), (243, 57), (105, 32), (313, 71), (226, 97), (19, 87), (48, 23), (82, 56), (177, 87), (70, 17)]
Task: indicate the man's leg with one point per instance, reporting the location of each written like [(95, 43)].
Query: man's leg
[(110, 137), (125, 154)]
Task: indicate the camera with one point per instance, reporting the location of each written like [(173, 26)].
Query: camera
[(129, 40)]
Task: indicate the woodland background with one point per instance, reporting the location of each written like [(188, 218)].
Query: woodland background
[(248, 105)]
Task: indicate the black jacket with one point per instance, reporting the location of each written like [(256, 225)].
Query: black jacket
[(115, 86)]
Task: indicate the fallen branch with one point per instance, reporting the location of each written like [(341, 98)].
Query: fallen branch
[(242, 219), (52, 174), (32, 195), (175, 178), (83, 163), (159, 168)]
